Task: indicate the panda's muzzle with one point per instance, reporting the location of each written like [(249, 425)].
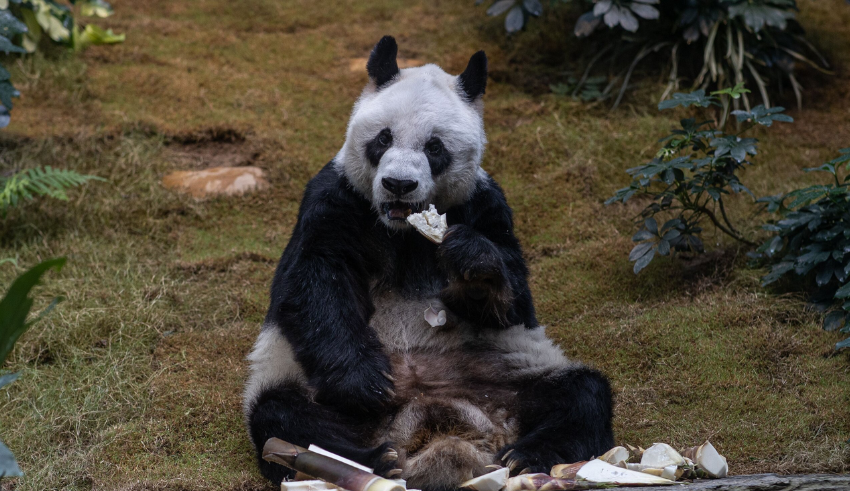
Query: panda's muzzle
[(399, 210)]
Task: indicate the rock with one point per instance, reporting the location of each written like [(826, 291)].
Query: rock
[(763, 482), (217, 181)]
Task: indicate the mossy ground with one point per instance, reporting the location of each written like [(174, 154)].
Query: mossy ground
[(134, 381)]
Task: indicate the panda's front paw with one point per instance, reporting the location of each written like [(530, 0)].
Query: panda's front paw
[(519, 458), (386, 461), (364, 387), (469, 256), (478, 288)]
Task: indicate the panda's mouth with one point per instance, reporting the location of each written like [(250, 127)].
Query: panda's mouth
[(399, 210)]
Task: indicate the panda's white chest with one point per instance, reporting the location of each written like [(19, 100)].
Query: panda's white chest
[(401, 324)]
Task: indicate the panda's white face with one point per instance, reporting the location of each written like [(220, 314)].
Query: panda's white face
[(415, 141)]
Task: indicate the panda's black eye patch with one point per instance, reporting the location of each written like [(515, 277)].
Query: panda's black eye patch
[(377, 146), (438, 157)]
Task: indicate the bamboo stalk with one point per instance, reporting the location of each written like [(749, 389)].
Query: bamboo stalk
[(325, 468)]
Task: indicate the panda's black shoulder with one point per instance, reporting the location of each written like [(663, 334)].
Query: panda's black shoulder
[(329, 194)]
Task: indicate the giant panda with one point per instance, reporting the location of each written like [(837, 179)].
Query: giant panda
[(345, 358)]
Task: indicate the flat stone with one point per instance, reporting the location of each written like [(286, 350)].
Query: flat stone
[(215, 181), (760, 482)]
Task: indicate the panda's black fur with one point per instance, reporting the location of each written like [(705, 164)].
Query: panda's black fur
[(486, 387)]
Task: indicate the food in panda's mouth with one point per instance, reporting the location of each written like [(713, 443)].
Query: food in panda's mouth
[(329, 469), (430, 224), (399, 210)]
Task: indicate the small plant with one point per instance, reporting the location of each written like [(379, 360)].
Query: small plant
[(709, 43), (24, 23), (39, 182), (812, 240), (14, 310), (694, 170)]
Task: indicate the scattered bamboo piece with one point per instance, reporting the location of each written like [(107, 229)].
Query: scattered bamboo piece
[(566, 471), (602, 472), (615, 456), (492, 481), (325, 468), (707, 459), (543, 482), (660, 455), (320, 450), (311, 485)]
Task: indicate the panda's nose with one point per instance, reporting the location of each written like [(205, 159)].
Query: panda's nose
[(399, 187)]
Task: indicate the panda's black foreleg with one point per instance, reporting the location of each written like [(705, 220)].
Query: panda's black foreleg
[(479, 288), (285, 412), (564, 417)]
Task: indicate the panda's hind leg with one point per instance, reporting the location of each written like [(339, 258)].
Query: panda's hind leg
[(564, 417), (287, 413)]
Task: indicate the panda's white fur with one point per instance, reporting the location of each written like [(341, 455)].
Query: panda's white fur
[(421, 103)]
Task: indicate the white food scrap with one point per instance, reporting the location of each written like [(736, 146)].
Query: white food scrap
[(430, 224)]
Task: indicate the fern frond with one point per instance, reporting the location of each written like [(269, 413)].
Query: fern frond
[(45, 181)]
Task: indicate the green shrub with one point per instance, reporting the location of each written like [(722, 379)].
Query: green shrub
[(710, 43), (812, 240), (14, 310), (24, 23), (686, 182)]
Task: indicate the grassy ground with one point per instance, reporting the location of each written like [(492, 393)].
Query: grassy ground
[(134, 381)]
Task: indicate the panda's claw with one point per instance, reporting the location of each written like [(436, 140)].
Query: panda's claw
[(391, 455), (394, 474), (387, 375), (507, 454)]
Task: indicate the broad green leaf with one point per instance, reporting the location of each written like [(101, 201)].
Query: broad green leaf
[(514, 20), (93, 35), (10, 25), (756, 16), (8, 378), (696, 98), (98, 8), (500, 7), (533, 7), (16, 304), (842, 344), (763, 116), (843, 292), (640, 250), (7, 92), (735, 92), (7, 46), (834, 320), (644, 261), (8, 466)]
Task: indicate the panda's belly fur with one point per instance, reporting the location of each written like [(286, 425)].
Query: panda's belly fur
[(456, 386)]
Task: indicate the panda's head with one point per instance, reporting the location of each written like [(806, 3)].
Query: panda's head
[(416, 136)]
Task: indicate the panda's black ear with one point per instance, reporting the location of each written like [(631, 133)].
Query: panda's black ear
[(382, 66), (473, 80)]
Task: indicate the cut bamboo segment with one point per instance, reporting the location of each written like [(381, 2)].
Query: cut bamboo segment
[(325, 468), (615, 455), (566, 471), (707, 459), (602, 472), (660, 455), (312, 485), (492, 481), (542, 482), (320, 450)]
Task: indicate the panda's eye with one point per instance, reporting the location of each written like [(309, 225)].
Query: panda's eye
[(434, 147), (384, 138)]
